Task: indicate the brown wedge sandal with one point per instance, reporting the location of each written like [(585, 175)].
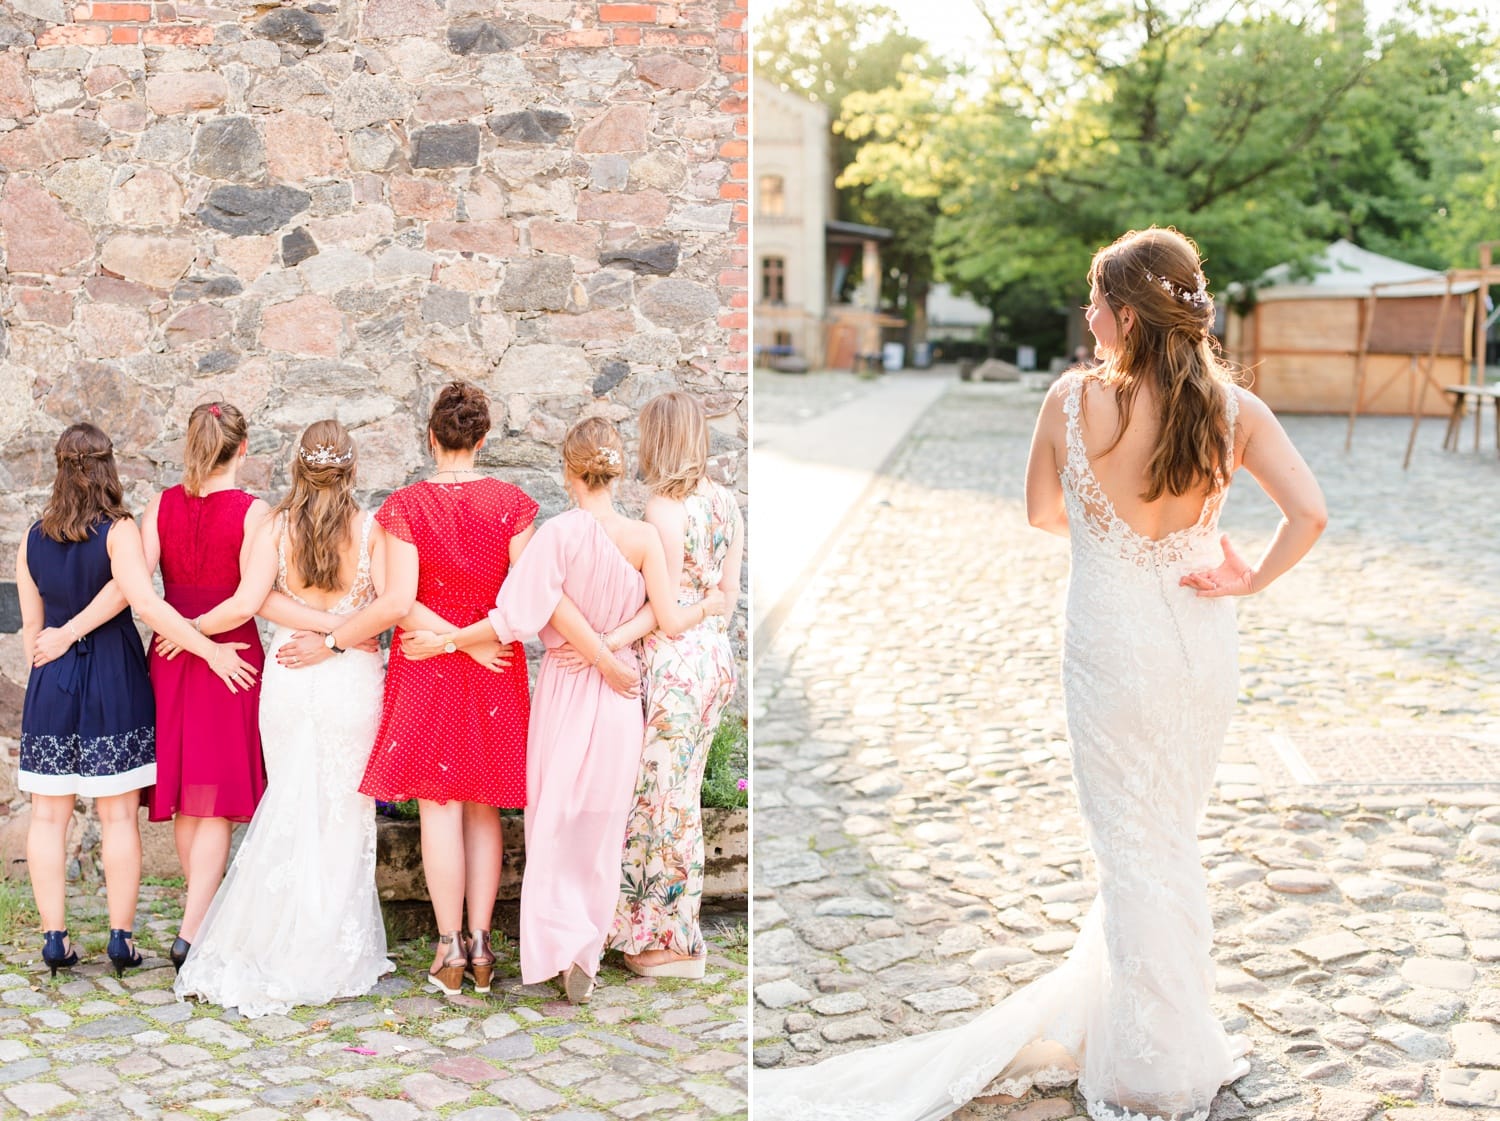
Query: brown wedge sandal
[(449, 977), (481, 960)]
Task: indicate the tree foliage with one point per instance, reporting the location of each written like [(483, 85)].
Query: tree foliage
[(1258, 128)]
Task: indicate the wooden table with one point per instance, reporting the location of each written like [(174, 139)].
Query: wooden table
[(1462, 395)]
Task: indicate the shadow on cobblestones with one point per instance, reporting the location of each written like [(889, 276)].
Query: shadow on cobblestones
[(918, 847)]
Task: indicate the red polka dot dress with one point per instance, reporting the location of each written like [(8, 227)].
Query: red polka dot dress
[(451, 730)]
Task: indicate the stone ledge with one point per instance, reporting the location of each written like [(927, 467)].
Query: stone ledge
[(398, 874)]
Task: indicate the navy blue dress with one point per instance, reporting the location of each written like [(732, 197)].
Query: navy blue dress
[(89, 722)]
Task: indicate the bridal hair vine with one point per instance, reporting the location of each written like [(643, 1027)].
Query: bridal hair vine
[(1194, 297), (608, 457), (326, 455)]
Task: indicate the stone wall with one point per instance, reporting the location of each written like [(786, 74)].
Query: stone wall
[(332, 207)]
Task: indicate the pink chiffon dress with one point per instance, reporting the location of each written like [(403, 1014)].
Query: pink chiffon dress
[(583, 749)]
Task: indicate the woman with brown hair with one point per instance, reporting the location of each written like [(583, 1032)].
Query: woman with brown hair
[(1132, 461), (689, 678), (453, 724), (311, 844), (88, 723), (586, 734)]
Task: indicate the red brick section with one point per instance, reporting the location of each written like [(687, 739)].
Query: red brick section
[(97, 22), (734, 282), (627, 13)]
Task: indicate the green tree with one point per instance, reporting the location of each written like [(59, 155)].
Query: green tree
[(1262, 135)]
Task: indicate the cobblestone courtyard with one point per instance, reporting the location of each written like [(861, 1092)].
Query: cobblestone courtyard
[(918, 851), (90, 1046)]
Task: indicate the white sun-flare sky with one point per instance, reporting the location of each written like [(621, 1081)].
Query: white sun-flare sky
[(958, 31)]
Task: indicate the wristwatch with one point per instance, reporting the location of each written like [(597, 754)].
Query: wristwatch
[(450, 647), (332, 645)]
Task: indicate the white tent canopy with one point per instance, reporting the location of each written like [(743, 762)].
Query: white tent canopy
[(1345, 271)]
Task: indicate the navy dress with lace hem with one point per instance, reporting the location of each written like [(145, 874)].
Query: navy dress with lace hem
[(88, 725)]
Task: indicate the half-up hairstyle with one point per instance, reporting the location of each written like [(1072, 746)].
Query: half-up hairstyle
[(1158, 275), (593, 451), (215, 431), (674, 444), (86, 489), (320, 506), (460, 416)]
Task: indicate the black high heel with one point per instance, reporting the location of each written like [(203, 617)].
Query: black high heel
[(180, 948), (121, 952), (55, 954)]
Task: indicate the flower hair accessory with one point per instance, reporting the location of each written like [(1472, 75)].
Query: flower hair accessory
[(608, 456), (215, 410), (326, 455), (1194, 297)]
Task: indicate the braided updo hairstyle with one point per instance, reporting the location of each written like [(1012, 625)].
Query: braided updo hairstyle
[(460, 416), (1157, 273), (593, 452), (86, 489), (320, 505)]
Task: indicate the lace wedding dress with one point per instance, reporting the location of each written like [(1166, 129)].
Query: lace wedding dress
[(297, 920), (1149, 681)]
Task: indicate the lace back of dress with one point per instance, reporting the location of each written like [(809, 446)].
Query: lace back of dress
[(361, 590), (1090, 507)]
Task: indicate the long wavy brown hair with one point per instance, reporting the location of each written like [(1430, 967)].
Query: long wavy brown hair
[(1158, 274), (86, 489), (215, 431), (320, 506)]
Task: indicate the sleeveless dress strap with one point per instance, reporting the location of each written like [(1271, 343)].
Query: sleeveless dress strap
[(364, 545), (1231, 414), (281, 536)]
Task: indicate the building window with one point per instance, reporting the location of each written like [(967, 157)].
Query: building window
[(772, 196), (773, 280)]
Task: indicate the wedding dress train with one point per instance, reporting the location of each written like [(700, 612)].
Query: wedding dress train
[(1149, 682), (297, 919)]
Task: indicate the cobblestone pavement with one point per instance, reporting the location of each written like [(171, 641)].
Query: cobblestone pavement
[(919, 853), (789, 398), (89, 1046)]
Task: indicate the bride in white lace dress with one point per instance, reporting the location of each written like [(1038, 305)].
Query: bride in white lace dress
[(1132, 461), (297, 920)]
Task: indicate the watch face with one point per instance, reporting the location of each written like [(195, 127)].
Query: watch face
[(328, 640), (449, 648)]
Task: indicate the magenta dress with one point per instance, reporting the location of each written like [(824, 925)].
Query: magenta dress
[(583, 749), (208, 761)]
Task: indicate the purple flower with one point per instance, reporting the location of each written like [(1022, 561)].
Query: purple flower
[(742, 784)]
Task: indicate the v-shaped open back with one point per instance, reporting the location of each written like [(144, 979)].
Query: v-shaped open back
[(361, 589), (1092, 509)]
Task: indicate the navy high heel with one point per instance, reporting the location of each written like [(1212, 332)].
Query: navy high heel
[(180, 948), (121, 952), (54, 953)]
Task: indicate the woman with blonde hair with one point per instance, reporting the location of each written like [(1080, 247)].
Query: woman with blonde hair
[(689, 678), (209, 773), (1131, 460), (88, 722), (311, 845), (585, 738)]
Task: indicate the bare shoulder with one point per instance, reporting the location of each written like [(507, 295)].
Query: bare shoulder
[(123, 531), (1253, 413), (666, 512)]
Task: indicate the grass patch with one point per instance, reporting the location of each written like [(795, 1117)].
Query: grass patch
[(18, 917), (725, 784)]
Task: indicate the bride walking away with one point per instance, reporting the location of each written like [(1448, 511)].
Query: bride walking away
[(1132, 461)]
